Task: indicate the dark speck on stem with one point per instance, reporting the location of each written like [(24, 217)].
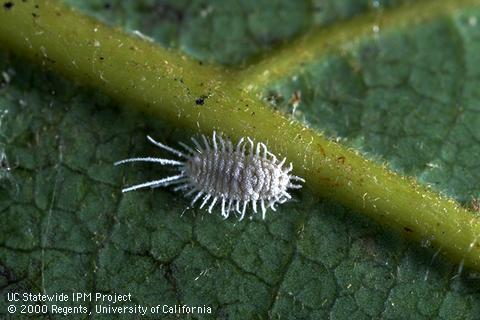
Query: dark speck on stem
[(8, 5), (200, 101), (407, 229)]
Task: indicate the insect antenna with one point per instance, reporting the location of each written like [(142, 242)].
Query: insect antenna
[(156, 183), (150, 159), (170, 149)]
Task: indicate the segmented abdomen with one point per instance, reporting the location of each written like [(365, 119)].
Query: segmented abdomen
[(233, 175)]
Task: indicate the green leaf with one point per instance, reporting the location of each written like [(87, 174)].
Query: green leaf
[(405, 95)]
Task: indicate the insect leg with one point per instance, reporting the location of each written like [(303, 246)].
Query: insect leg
[(258, 150), (222, 144), (268, 153), (294, 186), (191, 191), (237, 206), (229, 146), (244, 209), (215, 147), (290, 167), (205, 200), (183, 187), (264, 149), (282, 200), (254, 203), (229, 208), (162, 146), (272, 205), (206, 143), (223, 207), (186, 147), (286, 194), (244, 147), (264, 210), (212, 204), (250, 141), (297, 178), (195, 142), (239, 145), (199, 194)]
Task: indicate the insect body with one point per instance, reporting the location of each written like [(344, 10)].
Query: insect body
[(221, 173)]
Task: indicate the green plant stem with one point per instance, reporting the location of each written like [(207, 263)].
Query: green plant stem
[(180, 90), (291, 58)]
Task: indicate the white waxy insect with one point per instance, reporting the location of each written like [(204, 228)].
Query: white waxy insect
[(221, 173)]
